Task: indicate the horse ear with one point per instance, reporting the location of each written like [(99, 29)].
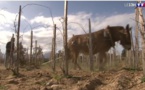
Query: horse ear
[(108, 27), (127, 26)]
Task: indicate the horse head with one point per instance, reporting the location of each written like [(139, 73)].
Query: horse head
[(119, 33), (125, 37)]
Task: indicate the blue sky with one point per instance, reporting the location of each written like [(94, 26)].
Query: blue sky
[(95, 7), (101, 13)]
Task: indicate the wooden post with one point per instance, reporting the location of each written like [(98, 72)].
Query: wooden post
[(132, 52), (18, 51), (110, 57), (54, 44), (27, 56), (142, 31), (114, 56), (40, 55), (35, 59), (128, 58), (90, 48), (31, 46), (136, 40), (65, 38)]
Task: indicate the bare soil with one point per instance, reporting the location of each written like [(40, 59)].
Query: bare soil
[(44, 79)]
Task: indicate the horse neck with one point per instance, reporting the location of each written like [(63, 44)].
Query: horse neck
[(115, 34)]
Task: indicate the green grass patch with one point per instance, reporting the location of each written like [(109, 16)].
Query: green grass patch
[(143, 79), (3, 87), (132, 69), (57, 77)]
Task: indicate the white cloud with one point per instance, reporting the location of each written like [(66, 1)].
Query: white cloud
[(42, 20), (8, 17), (120, 19)]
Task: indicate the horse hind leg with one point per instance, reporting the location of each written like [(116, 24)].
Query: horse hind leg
[(76, 65)]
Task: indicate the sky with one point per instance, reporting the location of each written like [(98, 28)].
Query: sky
[(36, 16)]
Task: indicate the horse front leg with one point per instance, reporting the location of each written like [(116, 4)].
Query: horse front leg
[(6, 62), (102, 60), (76, 65)]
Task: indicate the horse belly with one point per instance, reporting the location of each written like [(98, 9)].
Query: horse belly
[(101, 46)]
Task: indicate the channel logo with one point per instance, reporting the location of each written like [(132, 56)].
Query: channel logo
[(134, 4), (140, 5)]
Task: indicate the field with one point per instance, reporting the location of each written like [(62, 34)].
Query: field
[(117, 27), (44, 79)]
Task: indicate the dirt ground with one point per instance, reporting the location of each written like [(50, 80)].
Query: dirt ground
[(44, 79)]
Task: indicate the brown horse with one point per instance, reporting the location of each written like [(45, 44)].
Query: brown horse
[(102, 41)]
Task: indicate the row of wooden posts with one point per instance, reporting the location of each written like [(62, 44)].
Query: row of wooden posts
[(54, 42), (140, 27), (17, 62)]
